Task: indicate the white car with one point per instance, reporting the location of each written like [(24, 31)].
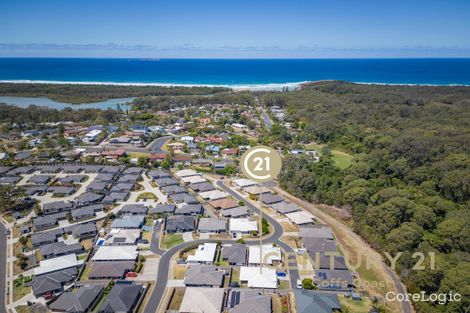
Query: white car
[(299, 284)]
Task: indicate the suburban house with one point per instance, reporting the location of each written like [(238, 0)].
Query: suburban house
[(203, 276), (110, 269), (212, 225), (248, 300), (162, 209), (202, 300), (180, 224), (234, 254), (242, 226), (81, 300), (238, 212), (123, 297), (115, 253), (204, 254), (56, 207), (307, 301), (255, 278), (270, 255), (128, 222)]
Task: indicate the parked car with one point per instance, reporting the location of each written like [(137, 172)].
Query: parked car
[(299, 284), (131, 274)]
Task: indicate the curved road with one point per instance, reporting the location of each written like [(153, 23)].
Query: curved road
[(3, 249), (163, 269)]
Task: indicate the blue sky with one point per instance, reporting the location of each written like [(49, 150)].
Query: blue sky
[(222, 28)]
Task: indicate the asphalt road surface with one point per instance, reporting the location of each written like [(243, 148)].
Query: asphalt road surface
[(3, 249), (157, 144), (164, 266)]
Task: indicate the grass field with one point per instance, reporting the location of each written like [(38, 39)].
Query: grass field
[(22, 309), (176, 299), (136, 155), (342, 159), (170, 240), (147, 195), (356, 306)]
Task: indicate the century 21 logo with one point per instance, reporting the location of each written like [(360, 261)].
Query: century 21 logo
[(261, 164)]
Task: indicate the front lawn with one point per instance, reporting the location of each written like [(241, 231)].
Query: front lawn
[(147, 195), (171, 240)]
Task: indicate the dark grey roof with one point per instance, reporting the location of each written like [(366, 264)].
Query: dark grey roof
[(201, 187), (162, 208), (40, 179), (212, 224), (82, 212), (122, 187), (72, 168), (104, 177), (333, 279), (129, 178), (49, 168), (99, 186), (57, 205), (53, 281), (122, 298), (92, 168), (310, 301), (60, 248), (21, 170), (82, 229), (133, 170), (248, 300), (38, 189), (319, 244), (183, 197), (180, 224), (316, 231), (270, 198), (156, 174), (114, 269), (138, 209), (235, 212), (37, 239), (173, 189), (235, 253), (189, 209), (285, 207), (128, 221), (321, 261), (4, 169), (45, 221), (115, 196), (203, 275), (72, 179), (110, 169), (88, 197), (162, 182), (8, 180), (78, 301), (63, 190)]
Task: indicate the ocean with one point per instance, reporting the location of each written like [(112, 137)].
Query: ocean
[(236, 73)]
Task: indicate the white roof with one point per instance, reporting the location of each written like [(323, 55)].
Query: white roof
[(193, 179), (270, 254), (204, 253), (301, 217), (202, 300), (256, 278), (116, 253), (213, 194), (129, 236), (187, 138), (57, 264), (243, 182), (94, 132), (185, 173), (242, 225)]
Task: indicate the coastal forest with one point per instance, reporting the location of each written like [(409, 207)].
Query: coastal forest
[(408, 188)]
